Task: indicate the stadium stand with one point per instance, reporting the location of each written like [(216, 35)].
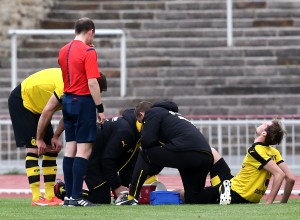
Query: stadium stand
[(177, 49)]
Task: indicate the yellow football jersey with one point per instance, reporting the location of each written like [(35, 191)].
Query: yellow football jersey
[(252, 180), (37, 89)]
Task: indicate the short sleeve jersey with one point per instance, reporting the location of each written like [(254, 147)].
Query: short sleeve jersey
[(252, 180), (78, 63), (37, 89)]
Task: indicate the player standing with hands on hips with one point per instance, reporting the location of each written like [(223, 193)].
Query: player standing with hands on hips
[(78, 62)]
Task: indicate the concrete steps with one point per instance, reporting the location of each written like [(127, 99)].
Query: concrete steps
[(178, 49), (178, 5), (205, 104), (204, 86), (59, 23), (174, 41), (200, 71), (41, 63), (144, 15), (283, 51), (217, 104), (192, 33)]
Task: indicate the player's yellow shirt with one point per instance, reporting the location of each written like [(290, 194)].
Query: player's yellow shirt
[(252, 180), (37, 89)]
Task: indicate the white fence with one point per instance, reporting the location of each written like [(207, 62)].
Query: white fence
[(230, 137)]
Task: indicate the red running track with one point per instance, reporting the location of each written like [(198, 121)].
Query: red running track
[(17, 185)]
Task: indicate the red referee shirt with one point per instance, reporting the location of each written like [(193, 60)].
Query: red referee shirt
[(78, 63)]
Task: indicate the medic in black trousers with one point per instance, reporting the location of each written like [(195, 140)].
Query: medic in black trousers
[(112, 160), (169, 140), (113, 157)]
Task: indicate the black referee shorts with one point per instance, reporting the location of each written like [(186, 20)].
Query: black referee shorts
[(79, 113)]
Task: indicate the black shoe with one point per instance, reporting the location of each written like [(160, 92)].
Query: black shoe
[(80, 202), (66, 201), (127, 202)]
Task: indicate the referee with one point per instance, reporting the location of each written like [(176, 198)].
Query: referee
[(78, 62)]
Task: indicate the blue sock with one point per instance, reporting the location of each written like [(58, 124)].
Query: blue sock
[(79, 172), (68, 175)]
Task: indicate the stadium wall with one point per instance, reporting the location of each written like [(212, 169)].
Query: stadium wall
[(20, 14)]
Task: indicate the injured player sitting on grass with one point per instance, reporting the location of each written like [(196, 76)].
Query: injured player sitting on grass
[(261, 162)]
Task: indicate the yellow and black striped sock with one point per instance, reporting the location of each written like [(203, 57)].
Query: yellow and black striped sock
[(33, 174), (49, 168)]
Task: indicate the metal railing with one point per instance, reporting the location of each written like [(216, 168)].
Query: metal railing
[(229, 23), (229, 136), (232, 138), (14, 59)]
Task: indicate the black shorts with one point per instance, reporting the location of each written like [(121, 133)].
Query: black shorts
[(25, 122), (79, 113)]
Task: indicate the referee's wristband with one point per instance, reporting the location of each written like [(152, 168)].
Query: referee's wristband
[(100, 108)]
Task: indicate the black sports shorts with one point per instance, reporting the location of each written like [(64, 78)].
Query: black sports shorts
[(79, 113), (25, 122)]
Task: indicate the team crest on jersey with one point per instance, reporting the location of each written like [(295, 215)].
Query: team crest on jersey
[(33, 141)]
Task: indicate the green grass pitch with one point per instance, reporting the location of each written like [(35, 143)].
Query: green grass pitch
[(20, 208)]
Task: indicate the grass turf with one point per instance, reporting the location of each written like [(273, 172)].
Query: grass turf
[(16, 208)]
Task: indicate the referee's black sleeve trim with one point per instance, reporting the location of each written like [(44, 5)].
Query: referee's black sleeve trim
[(58, 99), (90, 49), (257, 157)]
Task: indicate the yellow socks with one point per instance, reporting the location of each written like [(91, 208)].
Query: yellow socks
[(33, 175), (49, 168)]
